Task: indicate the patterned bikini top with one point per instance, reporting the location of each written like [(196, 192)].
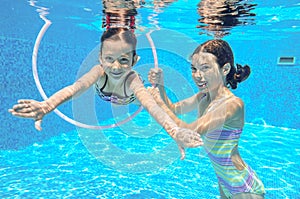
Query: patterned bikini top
[(114, 98)]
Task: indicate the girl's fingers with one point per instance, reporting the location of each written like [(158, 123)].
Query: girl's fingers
[(37, 125), (22, 108), (24, 101), (26, 115), (156, 70), (197, 141), (182, 152)]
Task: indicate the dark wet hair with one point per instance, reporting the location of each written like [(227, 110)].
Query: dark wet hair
[(120, 34), (222, 51), (119, 23)]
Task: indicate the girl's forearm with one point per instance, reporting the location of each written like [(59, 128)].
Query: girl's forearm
[(77, 88), (58, 98), (165, 98), (171, 114), (155, 110), (148, 102)]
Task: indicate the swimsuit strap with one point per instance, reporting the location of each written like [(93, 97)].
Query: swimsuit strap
[(130, 73), (105, 82), (108, 93), (203, 96)]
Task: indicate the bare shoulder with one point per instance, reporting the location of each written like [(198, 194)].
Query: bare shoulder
[(235, 104), (131, 76), (238, 102), (98, 74), (98, 69), (133, 81), (236, 107)]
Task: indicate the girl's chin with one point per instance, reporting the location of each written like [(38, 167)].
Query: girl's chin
[(116, 75), (203, 90)]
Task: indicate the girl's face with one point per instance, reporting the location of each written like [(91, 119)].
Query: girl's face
[(206, 72), (116, 58)]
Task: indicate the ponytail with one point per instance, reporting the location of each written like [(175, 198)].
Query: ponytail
[(237, 75)]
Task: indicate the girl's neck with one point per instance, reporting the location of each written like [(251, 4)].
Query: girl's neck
[(115, 83), (218, 93)]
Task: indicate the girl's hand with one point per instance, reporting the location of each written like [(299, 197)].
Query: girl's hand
[(156, 95), (186, 138), (155, 76), (30, 109)]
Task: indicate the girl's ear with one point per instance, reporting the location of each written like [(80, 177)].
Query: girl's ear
[(136, 58), (226, 69)]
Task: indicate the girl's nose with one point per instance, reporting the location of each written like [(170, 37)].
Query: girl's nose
[(116, 65), (198, 74)]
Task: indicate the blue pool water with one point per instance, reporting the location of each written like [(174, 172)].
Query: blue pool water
[(138, 159), (62, 167)]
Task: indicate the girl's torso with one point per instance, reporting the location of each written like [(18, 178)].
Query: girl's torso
[(221, 146), (115, 93)]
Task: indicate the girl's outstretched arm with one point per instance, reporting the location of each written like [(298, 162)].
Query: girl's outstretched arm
[(231, 112), (184, 137), (28, 108)]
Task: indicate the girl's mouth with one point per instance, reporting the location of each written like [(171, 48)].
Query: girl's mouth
[(201, 84), (116, 74)]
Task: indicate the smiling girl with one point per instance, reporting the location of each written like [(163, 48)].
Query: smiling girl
[(116, 82), (221, 116)]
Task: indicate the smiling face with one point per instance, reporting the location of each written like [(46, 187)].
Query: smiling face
[(206, 72), (117, 58)]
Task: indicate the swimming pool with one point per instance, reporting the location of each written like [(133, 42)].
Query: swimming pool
[(63, 161)]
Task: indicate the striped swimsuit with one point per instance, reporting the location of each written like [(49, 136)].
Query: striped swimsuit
[(219, 145)]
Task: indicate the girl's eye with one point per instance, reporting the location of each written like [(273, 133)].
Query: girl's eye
[(109, 59), (193, 69), (204, 68), (124, 60)]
